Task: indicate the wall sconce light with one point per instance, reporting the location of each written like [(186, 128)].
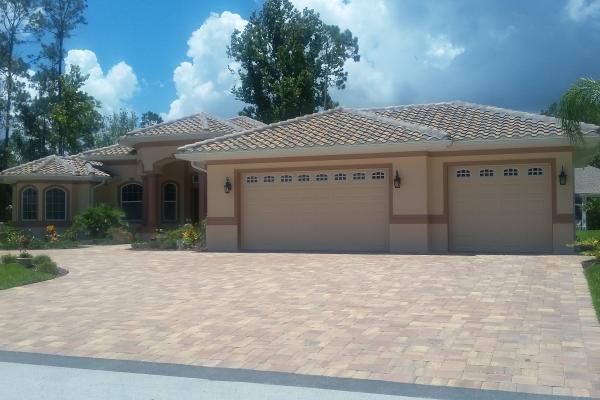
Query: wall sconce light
[(397, 180), (227, 185), (562, 178)]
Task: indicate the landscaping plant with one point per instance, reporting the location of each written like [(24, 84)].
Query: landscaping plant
[(590, 245), (95, 222)]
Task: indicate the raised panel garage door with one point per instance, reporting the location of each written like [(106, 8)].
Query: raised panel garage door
[(333, 210), (500, 208)]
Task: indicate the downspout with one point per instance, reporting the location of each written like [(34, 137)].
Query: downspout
[(93, 191)]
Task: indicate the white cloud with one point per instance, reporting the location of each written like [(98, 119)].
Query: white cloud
[(581, 10), (205, 82), (442, 51), (112, 89)]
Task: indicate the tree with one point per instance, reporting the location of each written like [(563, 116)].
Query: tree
[(288, 60), (58, 20), (581, 103), (150, 118), (15, 24), (74, 114), (114, 126)]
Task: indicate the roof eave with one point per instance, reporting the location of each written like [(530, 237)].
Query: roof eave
[(51, 178), (131, 141), (110, 158)]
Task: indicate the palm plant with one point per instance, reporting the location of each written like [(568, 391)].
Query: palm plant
[(581, 103)]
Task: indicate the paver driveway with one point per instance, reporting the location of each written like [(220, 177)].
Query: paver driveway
[(520, 323)]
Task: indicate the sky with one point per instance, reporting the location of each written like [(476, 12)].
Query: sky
[(170, 56)]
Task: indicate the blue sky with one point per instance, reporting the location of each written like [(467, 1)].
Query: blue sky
[(169, 56)]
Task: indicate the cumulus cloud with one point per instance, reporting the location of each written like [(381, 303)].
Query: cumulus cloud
[(581, 10), (204, 83), (442, 51), (112, 89)]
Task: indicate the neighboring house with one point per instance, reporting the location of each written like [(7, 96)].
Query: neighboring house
[(139, 175), (421, 178), (587, 184)]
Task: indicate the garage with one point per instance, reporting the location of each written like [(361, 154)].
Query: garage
[(315, 210), (500, 208)]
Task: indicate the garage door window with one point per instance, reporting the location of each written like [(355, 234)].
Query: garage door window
[(303, 178), (536, 171), (340, 177), (377, 175), (286, 178), (251, 179), (486, 172), (359, 176), (321, 177), (463, 173), (511, 172), (269, 179)]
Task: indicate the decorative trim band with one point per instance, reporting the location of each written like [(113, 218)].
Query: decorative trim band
[(563, 219), (415, 219)]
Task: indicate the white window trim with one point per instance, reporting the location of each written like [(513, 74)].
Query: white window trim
[(176, 201), (251, 179), (46, 203), (300, 176), (363, 176), (539, 171), (487, 173), (36, 203), (463, 173), (286, 179), (321, 177), (264, 179), (510, 172)]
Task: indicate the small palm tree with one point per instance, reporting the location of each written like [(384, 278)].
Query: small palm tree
[(581, 103)]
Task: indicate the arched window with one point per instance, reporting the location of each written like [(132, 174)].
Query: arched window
[(56, 204), (132, 201), (169, 202), (29, 204)]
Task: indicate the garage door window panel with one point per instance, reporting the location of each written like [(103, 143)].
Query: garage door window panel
[(535, 171), (463, 173), (511, 172)]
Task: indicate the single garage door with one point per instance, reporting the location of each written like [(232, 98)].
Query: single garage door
[(335, 210), (500, 208)]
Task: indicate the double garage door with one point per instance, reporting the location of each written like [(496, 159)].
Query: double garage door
[(500, 208), (491, 208), (333, 210)]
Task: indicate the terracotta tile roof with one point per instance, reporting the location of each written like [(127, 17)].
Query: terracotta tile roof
[(246, 122), (466, 121), (587, 180), (455, 121), (71, 166), (109, 151), (329, 128), (192, 125)]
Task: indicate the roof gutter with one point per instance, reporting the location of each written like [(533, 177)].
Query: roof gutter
[(51, 178)]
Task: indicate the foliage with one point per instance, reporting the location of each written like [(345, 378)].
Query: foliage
[(52, 234), (25, 254), (592, 275), (96, 221), (120, 235), (188, 236), (288, 60), (114, 126), (592, 209), (12, 275), (45, 264), (150, 118), (8, 259), (9, 234), (581, 103)]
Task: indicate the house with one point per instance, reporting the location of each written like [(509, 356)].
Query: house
[(424, 178), (139, 175), (587, 184)]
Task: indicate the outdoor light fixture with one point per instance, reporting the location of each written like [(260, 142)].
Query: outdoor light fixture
[(562, 178), (227, 185), (397, 180)]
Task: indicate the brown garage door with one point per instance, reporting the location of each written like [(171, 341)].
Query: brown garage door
[(345, 210), (500, 208)]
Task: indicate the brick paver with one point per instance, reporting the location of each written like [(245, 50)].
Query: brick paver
[(516, 323)]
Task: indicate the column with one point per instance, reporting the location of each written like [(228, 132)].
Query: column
[(150, 197)]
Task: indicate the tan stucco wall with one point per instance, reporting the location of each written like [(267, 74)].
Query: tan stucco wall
[(121, 173), (420, 196)]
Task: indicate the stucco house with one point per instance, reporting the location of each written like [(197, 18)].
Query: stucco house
[(423, 178)]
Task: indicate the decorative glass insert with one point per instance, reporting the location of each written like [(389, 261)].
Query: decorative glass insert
[(269, 179), (132, 201), (321, 177), (511, 172), (340, 177), (303, 178), (378, 175), (286, 178), (463, 173), (487, 172), (535, 171), (56, 205), (170, 202), (29, 203), (251, 179), (359, 176)]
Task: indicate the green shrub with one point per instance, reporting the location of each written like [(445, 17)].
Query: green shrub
[(188, 236), (25, 254), (592, 210), (9, 235), (96, 221), (45, 264), (8, 259)]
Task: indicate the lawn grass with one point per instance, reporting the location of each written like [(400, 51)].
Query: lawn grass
[(592, 275), (584, 235), (12, 275)]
